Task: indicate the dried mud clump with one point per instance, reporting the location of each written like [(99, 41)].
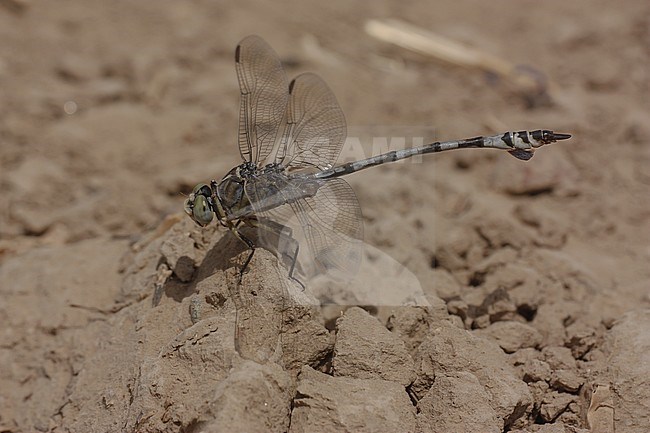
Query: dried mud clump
[(180, 345)]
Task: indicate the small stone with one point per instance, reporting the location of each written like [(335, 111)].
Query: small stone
[(457, 322), (494, 302), (254, 397), (566, 380), (570, 416), (512, 336), (501, 310), (481, 322), (553, 404), (503, 233), (449, 349), (559, 357), (522, 356), (458, 308), (495, 261), (304, 340), (452, 249), (538, 391), (457, 402), (365, 349), (536, 370), (580, 339), (411, 324), (326, 403), (447, 287), (447, 258)]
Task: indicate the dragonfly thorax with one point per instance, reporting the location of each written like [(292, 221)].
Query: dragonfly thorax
[(227, 199), (230, 192)]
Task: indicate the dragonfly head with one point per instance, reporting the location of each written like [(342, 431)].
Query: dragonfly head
[(200, 205)]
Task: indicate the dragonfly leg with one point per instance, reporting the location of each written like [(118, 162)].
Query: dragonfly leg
[(250, 246), (294, 259), (284, 234), (293, 265)]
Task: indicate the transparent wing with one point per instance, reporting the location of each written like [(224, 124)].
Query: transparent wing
[(315, 125), (264, 95), (333, 227), (323, 215)]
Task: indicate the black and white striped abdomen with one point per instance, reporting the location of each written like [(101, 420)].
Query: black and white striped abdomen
[(524, 140)]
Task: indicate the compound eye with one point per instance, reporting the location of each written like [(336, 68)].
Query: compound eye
[(202, 189), (201, 211)]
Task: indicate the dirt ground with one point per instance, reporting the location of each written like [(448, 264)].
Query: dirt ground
[(531, 305)]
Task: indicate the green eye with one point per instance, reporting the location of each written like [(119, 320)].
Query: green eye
[(202, 212)]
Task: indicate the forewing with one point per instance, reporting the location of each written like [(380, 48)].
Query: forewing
[(315, 125), (264, 95)]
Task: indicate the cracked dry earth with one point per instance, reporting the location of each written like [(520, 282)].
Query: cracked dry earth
[(533, 312)]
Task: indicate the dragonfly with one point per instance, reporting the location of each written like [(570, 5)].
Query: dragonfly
[(290, 136)]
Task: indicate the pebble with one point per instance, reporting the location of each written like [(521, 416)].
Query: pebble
[(365, 349), (344, 404)]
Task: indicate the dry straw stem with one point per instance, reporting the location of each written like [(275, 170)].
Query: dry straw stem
[(425, 42)]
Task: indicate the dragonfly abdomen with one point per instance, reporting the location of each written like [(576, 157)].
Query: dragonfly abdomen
[(520, 144)]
